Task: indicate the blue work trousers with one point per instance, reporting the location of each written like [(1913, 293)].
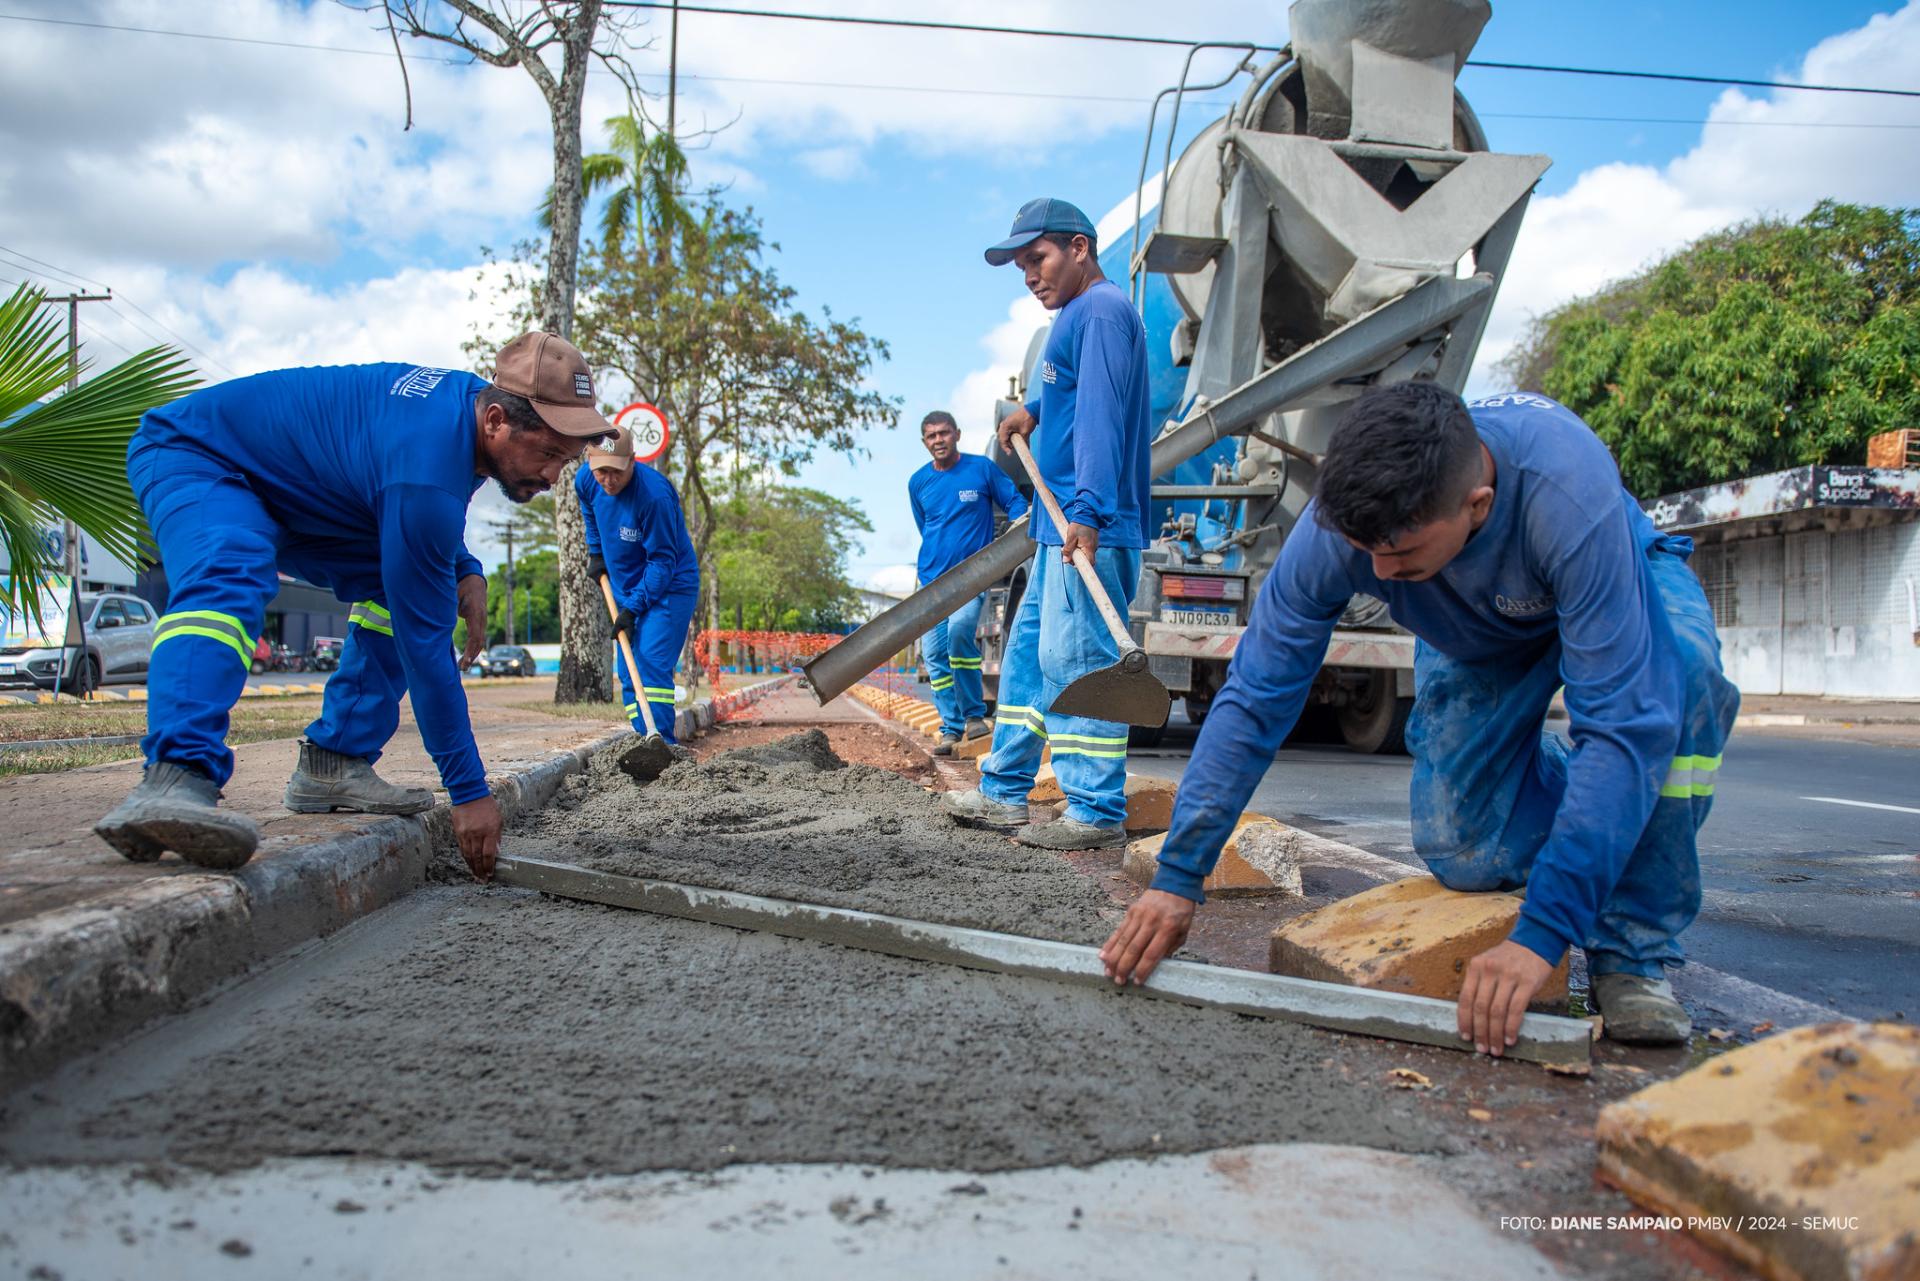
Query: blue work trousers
[(1488, 782), (1057, 637), (660, 635), (953, 667)]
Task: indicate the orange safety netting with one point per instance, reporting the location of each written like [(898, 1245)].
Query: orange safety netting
[(779, 650)]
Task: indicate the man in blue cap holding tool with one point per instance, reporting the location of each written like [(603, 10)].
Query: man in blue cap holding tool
[(953, 499), (637, 540), (1092, 439), (357, 478)]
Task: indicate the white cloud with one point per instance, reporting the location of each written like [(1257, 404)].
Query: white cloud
[(1748, 163), (1006, 345), (894, 580), (836, 164)]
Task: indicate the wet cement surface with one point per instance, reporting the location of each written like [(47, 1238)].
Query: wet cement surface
[(790, 820), (494, 1032)]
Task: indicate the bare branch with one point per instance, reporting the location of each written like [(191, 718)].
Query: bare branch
[(406, 84)]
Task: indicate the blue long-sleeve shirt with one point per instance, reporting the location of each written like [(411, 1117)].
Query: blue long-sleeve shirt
[(1094, 443), (369, 470), (953, 509), (642, 536), (1563, 550)]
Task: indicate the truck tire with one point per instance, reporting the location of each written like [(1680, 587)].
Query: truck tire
[(1377, 723), (1141, 736)]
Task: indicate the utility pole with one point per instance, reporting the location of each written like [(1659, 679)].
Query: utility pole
[(73, 301), (673, 66), (505, 528)]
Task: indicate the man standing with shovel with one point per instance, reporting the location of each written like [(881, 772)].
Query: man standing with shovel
[(1091, 446), (638, 550)]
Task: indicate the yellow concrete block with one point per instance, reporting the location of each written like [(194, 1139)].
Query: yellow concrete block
[(107, 696), (1411, 936), (1149, 803), (1247, 861), (1799, 1156), (972, 749), (138, 694), (1046, 788)]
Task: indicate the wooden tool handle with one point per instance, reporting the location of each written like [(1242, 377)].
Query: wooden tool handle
[(1095, 588), (633, 668)]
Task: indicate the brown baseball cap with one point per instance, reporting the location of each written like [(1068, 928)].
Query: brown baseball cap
[(618, 454), (550, 371)]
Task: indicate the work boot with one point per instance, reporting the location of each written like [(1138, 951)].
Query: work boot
[(978, 728), (325, 781), (1639, 1011), (976, 809), (173, 808), (948, 741), (1072, 834)]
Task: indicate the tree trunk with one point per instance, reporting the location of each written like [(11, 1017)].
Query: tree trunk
[(586, 635)]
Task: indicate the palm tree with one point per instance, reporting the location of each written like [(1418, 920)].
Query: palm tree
[(648, 173), (67, 458)]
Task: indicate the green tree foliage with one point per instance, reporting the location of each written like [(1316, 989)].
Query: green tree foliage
[(536, 599), (63, 455), (1762, 347), (781, 553)]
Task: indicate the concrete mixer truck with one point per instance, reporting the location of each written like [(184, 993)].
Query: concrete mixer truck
[(1343, 225)]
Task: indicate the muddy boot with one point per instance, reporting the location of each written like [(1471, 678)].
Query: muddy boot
[(173, 808), (976, 809), (1072, 834), (325, 781), (1639, 1011), (977, 728), (948, 741)]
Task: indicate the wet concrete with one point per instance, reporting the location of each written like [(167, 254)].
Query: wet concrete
[(790, 820), (494, 1032)]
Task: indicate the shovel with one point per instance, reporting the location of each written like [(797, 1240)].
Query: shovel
[(1127, 691), (644, 761)]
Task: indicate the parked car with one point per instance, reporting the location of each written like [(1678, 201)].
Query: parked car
[(507, 660), (119, 632)]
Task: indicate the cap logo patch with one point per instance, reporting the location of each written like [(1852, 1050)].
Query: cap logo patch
[(583, 386)]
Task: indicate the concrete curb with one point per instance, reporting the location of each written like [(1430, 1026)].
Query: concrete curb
[(74, 979)]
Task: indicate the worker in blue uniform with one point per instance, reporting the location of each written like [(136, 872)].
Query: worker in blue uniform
[(1091, 438), (1500, 536), (637, 539), (953, 498), (355, 478)]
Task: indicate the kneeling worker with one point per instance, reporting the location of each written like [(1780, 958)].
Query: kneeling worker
[(953, 499), (1499, 535), (356, 478), (637, 539)]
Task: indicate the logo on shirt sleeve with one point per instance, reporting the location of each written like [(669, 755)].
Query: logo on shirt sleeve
[(1048, 373), (417, 383), (1523, 607), (629, 534), (969, 495)]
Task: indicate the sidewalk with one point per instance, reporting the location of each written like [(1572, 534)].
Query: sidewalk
[(91, 944)]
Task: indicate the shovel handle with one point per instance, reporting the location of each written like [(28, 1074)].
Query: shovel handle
[(633, 668), (1095, 588)]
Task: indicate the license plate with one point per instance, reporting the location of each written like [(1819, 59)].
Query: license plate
[(6, 669), (1197, 617)]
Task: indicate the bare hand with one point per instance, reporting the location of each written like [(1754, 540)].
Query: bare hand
[(1500, 983), (1155, 927), (1082, 538), (473, 608), (1017, 423), (476, 825)]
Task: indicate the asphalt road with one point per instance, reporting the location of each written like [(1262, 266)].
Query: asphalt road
[(1804, 894)]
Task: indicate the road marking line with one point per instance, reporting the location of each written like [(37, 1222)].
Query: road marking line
[(1865, 805)]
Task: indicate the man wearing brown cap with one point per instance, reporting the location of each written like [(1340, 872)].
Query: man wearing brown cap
[(637, 540), (355, 478)]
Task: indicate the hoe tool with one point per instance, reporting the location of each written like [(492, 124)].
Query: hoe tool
[(1127, 691)]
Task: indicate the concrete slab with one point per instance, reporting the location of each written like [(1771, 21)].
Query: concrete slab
[(1412, 935), (1303, 1211), (1149, 800), (1270, 870), (1799, 1156)]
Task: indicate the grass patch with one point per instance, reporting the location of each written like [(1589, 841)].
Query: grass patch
[(255, 720), (576, 711)]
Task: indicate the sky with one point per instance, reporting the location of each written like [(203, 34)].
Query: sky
[(262, 205)]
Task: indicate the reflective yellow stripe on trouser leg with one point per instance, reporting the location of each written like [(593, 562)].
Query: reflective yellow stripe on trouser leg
[(372, 616), (1026, 718), (224, 628), (1110, 748), (1690, 776)]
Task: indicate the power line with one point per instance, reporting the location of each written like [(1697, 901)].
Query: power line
[(976, 28), (74, 277), (924, 24)]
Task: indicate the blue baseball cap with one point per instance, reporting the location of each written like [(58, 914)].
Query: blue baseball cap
[(1035, 219)]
